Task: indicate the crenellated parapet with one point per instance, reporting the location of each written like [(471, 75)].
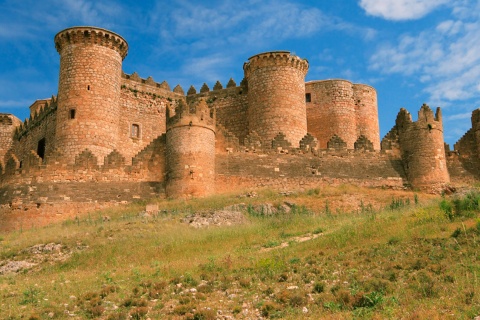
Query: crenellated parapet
[(9, 124), (37, 118), (198, 114), (422, 147), (93, 36), (274, 59)]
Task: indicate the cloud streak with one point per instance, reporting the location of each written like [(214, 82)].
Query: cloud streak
[(445, 58), (400, 9)]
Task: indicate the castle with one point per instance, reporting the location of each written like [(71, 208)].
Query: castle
[(112, 137)]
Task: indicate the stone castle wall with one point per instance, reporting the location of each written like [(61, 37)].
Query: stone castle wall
[(107, 127), (8, 124), (231, 107)]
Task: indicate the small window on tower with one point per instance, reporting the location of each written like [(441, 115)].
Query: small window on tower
[(72, 114), (308, 97), (135, 131)]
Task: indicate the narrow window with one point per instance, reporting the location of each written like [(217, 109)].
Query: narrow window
[(308, 97), (41, 148), (72, 113), (88, 87), (135, 133)]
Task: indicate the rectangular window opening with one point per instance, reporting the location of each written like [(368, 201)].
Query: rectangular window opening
[(135, 133), (308, 97), (41, 148), (72, 114)]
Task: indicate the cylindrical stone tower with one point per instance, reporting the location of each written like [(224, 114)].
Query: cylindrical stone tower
[(88, 113), (190, 152), (276, 95), (476, 129), (365, 98), (332, 111), (422, 147)]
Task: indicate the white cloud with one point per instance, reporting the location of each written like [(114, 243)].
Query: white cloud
[(445, 58), (400, 9)]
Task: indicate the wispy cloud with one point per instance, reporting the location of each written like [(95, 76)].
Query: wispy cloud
[(445, 58), (400, 9)]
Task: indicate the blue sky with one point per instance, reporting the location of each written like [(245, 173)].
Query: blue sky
[(411, 51)]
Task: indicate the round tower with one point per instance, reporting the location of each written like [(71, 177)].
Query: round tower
[(476, 129), (88, 113), (422, 147), (365, 98), (276, 95), (190, 152), (331, 111)]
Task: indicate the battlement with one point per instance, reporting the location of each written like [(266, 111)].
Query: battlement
[(274, 59), (196, 114), (7, 119), (92, 35), (476, 118), (149, 81), (426, 119), (47, 107)]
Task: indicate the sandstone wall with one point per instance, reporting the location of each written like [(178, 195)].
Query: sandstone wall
[(8, 124), (238, 171), (35, 135), (231, 106)]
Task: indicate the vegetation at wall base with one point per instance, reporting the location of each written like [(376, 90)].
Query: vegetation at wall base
[(341, 253)]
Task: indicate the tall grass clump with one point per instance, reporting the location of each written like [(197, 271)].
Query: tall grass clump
[(466, 206)]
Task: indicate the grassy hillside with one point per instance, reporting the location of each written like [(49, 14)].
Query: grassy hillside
[(335, 253)]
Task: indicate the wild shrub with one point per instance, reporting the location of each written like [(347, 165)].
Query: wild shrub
[(318, 287), (369, 300), (206, 314)]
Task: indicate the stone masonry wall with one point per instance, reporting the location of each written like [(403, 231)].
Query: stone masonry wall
[(231, 106), (237, 171), (27, 143), (143, 118), (8, 124), (276, 96)]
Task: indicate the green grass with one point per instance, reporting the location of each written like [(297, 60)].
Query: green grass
[(408, 260)]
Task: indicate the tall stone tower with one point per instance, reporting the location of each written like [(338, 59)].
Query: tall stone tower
[(276, 95), (476, 129), (88, 111), (366, 108), (422, 147), (190, 152), (340, 108)]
